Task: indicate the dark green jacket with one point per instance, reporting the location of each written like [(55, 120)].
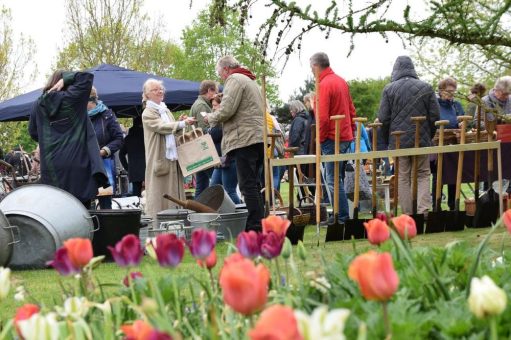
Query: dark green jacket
[(201, 105), (70, 157)]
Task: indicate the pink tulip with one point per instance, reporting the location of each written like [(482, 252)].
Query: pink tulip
[(134, 276), (203, 242), (209, 262), (249, 244), (62, 263), (506, 219), (127, 252), (377, 231), (276, 224), (169, 250), (271, 245)]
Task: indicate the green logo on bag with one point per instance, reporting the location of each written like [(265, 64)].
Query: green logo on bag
[(204, 146), (199, 163)]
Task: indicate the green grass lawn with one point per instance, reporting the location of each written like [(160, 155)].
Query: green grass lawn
[(43, 285)]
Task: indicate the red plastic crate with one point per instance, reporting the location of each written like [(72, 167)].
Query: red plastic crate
[(504, 132)]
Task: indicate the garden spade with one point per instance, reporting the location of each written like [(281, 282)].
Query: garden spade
[(298, 220), (355, 227), (436, 218), (397, 136), (335, 230), (418, 218), (455, 220), (375, 127)]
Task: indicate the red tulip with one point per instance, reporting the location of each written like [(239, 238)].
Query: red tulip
[(79, 251), (249, 244), (141, 330), (25, 312), (169, 250), (134, 276), (405, 224), (276, 323), (377, 231), (382, 216), (127, 252), (375, 275), (276, 224), (506, 218), (244, 285), (62, 263), (271, 245), (210, 261), (203, 242)]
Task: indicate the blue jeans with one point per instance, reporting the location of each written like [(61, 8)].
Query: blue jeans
[(202, 181), (229, 179), (278, 173), (327, 148)]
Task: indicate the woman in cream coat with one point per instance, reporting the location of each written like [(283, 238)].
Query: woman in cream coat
[(162, 175)]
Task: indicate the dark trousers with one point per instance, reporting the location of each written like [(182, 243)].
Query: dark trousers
[(137, 188), (249, 161), (451, 192), (105, 202), (202, 181)]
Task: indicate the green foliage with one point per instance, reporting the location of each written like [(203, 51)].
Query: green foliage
[(13, 134), (115, 32), (203, 44), (366, 95)]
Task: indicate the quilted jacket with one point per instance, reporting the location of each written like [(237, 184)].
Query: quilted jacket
[(405, 97)]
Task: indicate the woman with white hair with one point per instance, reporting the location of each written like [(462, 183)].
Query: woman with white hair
[(162, 175), (497, 100), (299, 126)]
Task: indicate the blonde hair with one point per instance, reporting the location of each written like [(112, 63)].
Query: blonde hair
[(503, 84), (93, 92), (145, 87)]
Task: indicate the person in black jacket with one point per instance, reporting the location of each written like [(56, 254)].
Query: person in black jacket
[(110, 139), (70, 156), (298, 129), (405, 97), (134, 149)]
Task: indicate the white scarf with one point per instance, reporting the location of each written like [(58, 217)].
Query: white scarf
[(170, 141)]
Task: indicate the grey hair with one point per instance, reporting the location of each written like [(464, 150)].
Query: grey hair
[(227, 61), (320, 59), (148, 82), (503, 84), (308, 97), (296, 106)]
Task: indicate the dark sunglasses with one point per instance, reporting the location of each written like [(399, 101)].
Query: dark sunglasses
[(92, 99)]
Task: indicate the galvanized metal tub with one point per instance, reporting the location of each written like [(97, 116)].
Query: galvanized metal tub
[(6, 240), (46, 216)]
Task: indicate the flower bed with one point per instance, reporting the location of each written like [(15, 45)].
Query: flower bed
[(396, 288)]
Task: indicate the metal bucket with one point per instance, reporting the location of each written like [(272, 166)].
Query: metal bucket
[(227, 226), (46, 216), (172, 215), (6, 240), (204, 220), (217, 198)]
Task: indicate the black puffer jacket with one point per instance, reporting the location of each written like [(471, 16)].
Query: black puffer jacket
[(405, 97), (298, 133)]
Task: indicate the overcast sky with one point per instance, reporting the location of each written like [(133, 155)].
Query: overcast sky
[(44, 22)]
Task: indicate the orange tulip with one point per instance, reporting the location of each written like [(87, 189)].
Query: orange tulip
[(79, 251), (375, 275), (210, 261), (404, 222), (377, 231), (276, 224), (244, 285), (276, 323), (139, 330), (506, 218)]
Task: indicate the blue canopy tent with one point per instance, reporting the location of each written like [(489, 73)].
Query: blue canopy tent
[(119, 88)]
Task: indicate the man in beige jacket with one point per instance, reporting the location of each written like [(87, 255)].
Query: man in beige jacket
[(241, 113)]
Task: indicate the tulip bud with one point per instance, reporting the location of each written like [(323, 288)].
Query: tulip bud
[(302, 253), (286, 249), (74, 307), (150, 247), (486, 298), (5, 282)]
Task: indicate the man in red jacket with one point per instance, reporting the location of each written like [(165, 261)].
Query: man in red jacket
[(334, 99)]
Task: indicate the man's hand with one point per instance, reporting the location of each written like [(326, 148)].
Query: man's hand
[(190, 120)]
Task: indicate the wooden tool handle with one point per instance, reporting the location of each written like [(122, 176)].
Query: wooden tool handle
[(190, 204), (292, 150), (374, 125), (418, 119), (318, 154), (463, 118), (397, 135), (359, 119), (337, 117), (461, 157), (274, 135), (441, 123), (439, 171)]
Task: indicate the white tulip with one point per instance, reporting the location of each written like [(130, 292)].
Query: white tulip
[(74, 307), (150, 247), (40, 327), (20, 294), (486, 298), (5, 282), (322, 324)]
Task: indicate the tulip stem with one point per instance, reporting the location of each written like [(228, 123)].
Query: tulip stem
[(493, 328), (279, 277), (176, 297), (132, 288), (212, 279), (502, 245), (386, 320)]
